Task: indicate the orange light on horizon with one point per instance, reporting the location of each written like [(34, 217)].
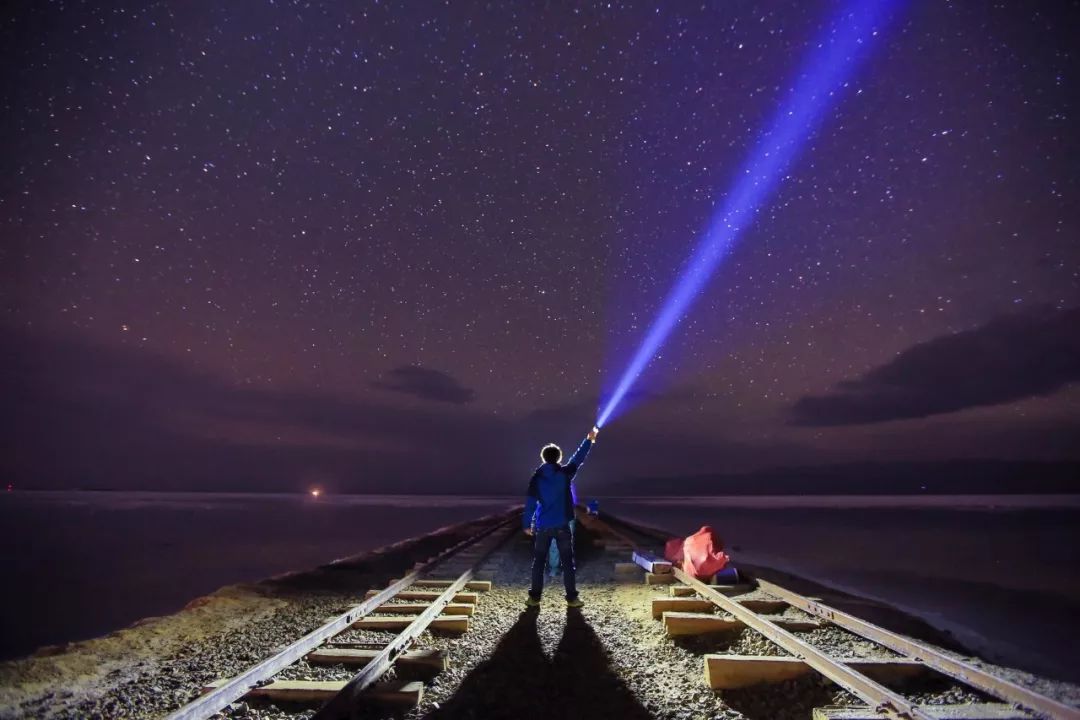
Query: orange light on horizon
[(316, 492)]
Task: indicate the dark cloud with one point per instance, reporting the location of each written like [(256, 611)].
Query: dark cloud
[(78, 414), (427, 384), (1010, 358)]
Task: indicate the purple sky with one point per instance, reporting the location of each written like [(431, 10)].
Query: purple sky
[(270, 245)]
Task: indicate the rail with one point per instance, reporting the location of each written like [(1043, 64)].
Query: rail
[(882, 701), (237, 687)]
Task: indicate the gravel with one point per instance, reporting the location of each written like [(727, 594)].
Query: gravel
[(841, 644), (159, 664), (610, 659)]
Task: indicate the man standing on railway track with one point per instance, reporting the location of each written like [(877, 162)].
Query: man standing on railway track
[(549, 508)]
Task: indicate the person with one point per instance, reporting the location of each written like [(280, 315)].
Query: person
[(549, 508)]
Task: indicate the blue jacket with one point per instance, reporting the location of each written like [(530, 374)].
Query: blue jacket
[(551, 497)]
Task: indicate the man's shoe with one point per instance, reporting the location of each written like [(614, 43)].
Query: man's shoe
[(532, 602), (575, 603)]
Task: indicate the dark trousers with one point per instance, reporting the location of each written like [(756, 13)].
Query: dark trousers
[(564, 540)]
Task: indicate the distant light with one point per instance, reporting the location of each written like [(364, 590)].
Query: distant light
[(316, 492)]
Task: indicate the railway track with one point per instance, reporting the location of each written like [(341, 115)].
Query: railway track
[(438, 594), (380, 655), (788, 620)]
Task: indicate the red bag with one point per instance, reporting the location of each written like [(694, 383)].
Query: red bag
[(673, 551), (703, 554)]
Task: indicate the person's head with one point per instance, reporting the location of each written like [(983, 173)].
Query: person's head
[(551, 453)]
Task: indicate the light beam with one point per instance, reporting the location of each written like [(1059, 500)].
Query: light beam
[(830, 63)]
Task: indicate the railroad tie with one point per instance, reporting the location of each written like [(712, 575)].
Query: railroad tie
[(727, 672), (446, 623), (424, 663), (394, 693), (685, 601), (479, 585), (417, 608), (659, 578), (679, 604), (430, 595), (695, 623), (728, 590)]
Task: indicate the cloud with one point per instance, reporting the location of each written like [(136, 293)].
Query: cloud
[(79, 414), (426, 384), (82, 414), (1010, 358)]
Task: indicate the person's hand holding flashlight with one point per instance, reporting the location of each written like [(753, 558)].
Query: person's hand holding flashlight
[(592, 434)]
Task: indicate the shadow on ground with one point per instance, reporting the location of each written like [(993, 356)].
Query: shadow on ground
[(519, 681)]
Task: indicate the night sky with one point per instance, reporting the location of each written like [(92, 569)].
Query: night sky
[(398, 247)]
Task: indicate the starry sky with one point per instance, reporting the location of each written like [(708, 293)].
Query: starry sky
[(379, 246)]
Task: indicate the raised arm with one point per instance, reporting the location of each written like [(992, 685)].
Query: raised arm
[(582, 451)]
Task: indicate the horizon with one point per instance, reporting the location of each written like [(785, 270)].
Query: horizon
[(1016, 482)]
